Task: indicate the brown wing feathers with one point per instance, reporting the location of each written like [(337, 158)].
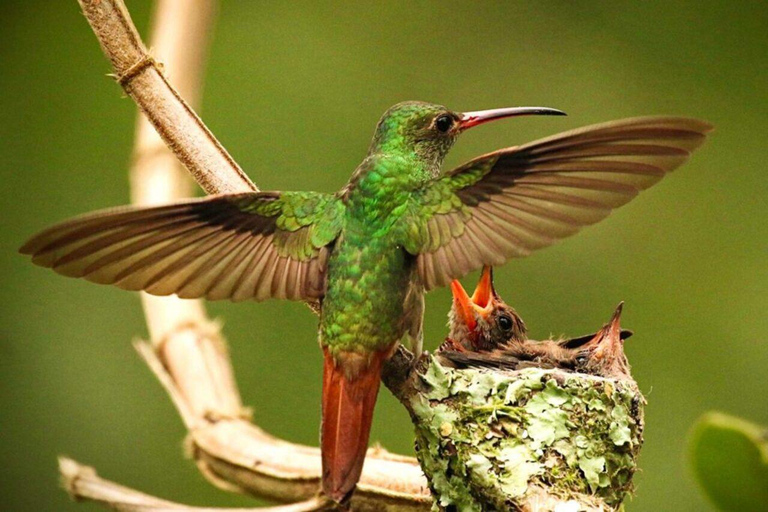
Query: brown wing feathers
[(199, 248), (538, 193)]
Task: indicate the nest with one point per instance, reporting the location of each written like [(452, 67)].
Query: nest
[(532, 439)]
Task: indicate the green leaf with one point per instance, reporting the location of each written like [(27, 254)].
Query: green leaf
[(730, 459), (554, 394)]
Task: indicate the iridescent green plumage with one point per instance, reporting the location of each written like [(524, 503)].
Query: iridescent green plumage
[(367, 253), (369, 274)]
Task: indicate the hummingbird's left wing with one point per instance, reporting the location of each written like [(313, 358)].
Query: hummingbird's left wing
[(255, 245), (513, 201)]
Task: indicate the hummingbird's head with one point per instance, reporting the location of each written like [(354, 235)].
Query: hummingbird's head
[(603, 354), (429, 131), (414, 127), (483, 321)]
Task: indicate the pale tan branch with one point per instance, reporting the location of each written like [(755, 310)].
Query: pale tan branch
[(180, 34), (143, 80), (82, 482)]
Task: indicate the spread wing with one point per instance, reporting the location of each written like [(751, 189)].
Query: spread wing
[(513, 201), (240, 246)]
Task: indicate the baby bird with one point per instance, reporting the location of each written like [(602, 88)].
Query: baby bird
[(487, 332), (484, 321)]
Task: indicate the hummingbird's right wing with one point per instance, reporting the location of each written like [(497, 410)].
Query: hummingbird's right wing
[(240, 246), (511, 202)]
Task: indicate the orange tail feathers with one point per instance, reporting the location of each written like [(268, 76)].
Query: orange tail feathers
[(349, 394)]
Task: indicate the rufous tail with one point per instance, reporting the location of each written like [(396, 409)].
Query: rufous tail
[(349, 395)]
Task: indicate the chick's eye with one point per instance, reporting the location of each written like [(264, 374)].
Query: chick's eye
[(443, 123), (505, 323), (581, 359)]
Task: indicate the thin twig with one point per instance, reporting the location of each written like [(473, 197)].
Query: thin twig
[(82, 482), (143, 80)]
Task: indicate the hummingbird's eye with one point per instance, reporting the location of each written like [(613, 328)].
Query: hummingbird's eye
[(581, 360), (444, 123), (505, 323)]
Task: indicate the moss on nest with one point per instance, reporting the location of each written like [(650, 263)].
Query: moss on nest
[(492, 440)]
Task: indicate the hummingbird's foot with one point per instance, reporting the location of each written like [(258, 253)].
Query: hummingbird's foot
[(327, 504), (345, 505), (419, 361)]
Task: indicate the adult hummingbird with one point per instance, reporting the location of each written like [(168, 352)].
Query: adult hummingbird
[(400, 227)]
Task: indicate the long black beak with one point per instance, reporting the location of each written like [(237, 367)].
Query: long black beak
[(470, 119)]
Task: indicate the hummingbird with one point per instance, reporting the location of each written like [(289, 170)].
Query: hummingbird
[(367, 254), (486, 332)]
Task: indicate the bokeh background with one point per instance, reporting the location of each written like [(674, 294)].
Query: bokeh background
[(294, 90)]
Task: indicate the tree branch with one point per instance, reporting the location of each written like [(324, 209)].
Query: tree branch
[(82, 482), (143, 80)]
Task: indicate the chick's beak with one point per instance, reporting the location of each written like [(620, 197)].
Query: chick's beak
[(610, 339), (463, 305), (484, 292), (480, 305)]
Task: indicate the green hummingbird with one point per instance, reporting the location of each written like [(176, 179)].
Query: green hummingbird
[(366, 254)]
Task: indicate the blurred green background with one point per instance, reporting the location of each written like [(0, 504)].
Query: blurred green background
[(294, 92)]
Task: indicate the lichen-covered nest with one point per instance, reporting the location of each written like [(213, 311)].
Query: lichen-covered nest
[(494, 440)]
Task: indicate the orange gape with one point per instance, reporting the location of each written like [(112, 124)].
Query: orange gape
[(348, 403)]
